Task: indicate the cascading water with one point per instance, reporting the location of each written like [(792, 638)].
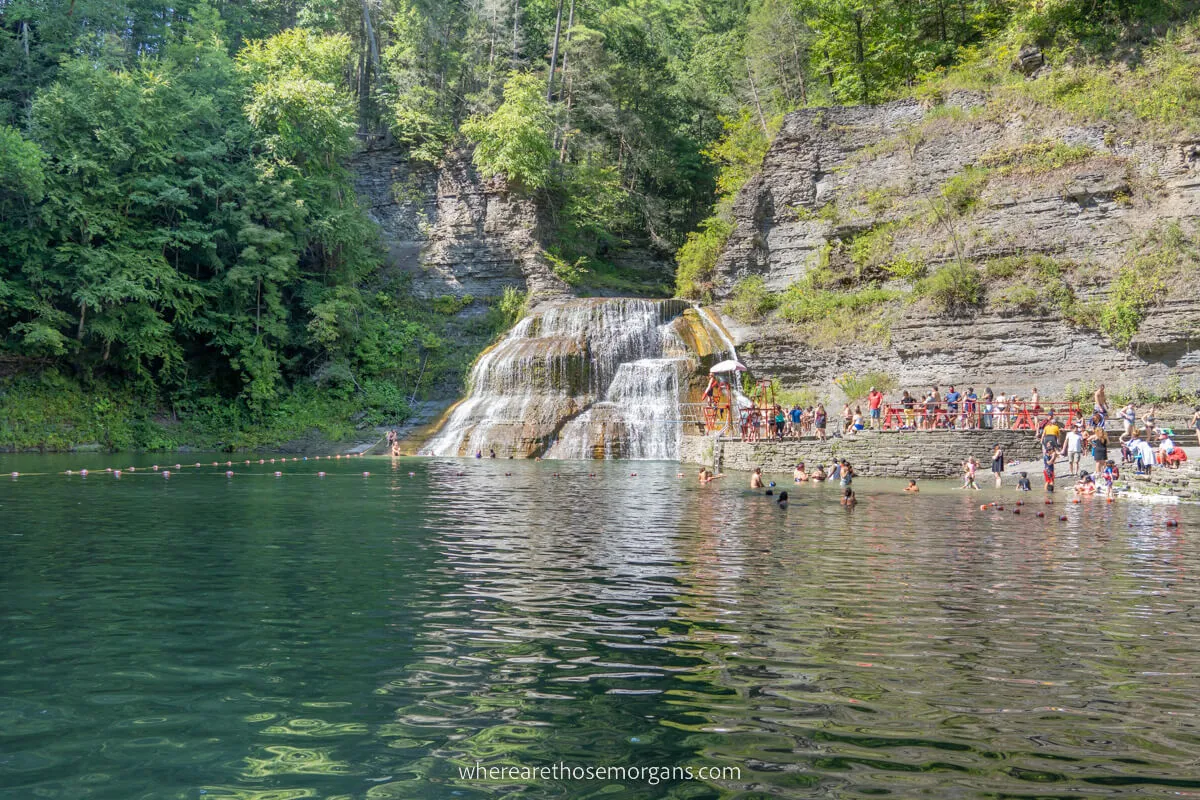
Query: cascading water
[(584, 379)]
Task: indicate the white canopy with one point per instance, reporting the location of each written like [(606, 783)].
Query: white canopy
[(729, 366)]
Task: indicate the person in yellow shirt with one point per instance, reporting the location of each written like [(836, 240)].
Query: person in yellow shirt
[(1051, 433)]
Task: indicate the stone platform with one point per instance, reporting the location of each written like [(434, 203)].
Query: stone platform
[(887, 454)]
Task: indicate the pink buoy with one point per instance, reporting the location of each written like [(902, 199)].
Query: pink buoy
[(1041, 513), (320, 474), (179, 466), (166, 473), (108, 469), (68, 472), (16, 474), (83, 472), (366, 474), (155, 468), (1063, 518), (261, 461), (278, 474), (228, 473)]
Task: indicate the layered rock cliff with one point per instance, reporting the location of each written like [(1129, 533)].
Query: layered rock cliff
[(450, 230), (881, 195)]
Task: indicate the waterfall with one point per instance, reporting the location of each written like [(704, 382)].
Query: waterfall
[(597, 378)]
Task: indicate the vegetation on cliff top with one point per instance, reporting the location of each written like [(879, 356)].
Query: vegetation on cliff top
[(1132, 66)]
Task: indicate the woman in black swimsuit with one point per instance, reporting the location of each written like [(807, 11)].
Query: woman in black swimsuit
[(998, 463)]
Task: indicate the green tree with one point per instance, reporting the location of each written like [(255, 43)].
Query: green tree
[(514, 141)]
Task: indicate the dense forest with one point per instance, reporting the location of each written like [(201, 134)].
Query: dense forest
[(179, 233)]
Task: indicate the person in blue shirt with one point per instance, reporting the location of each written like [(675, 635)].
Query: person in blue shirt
[(952, 398), (795, 414)]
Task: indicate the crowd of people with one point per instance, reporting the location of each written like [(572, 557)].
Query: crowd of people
[(1143, 444), (931, 409)]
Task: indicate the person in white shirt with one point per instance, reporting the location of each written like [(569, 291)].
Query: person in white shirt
[(1073, 450), (1165, 447)]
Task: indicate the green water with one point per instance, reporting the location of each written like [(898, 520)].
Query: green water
[(349, 637)]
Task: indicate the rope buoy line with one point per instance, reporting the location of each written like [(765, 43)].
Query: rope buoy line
[(165, 470)]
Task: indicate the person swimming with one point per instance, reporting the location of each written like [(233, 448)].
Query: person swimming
[(783, 499), (848, 498), (1023, 484), (912, 487)]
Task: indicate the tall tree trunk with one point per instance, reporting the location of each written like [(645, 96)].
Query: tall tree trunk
[(566, 88), (860, 57), (799, 68), (754, 93), (516, 32), (554, 52), (371, 43), (492, 36), (567, 49)]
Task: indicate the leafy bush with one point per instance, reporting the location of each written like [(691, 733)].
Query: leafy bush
[(568, 271), (751, 300), (856, 387), (513, 305), (908, 267), (961, 193), (449, 304), (697, 259), (954, 287), (1142, 282), (1036, 157)]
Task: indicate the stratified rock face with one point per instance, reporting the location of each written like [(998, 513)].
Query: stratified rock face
[(586, 378), (833, 175), (452, 231)]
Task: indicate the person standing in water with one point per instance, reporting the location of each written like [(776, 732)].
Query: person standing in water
[(998, 463)]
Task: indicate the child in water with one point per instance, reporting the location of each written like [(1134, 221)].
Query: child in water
[(848, 498), (1048, 460), (1111, 473), (783, 499), (912, 487), (970, 467), (1023, 483)]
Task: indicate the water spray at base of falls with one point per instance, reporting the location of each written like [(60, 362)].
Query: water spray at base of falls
[(600, 378)]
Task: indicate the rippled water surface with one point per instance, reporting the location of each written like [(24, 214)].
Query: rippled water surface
[(273, 638)]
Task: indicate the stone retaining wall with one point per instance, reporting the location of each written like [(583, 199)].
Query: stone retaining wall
[(910, 454)]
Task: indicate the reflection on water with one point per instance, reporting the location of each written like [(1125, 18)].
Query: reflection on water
[(267, 639)]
